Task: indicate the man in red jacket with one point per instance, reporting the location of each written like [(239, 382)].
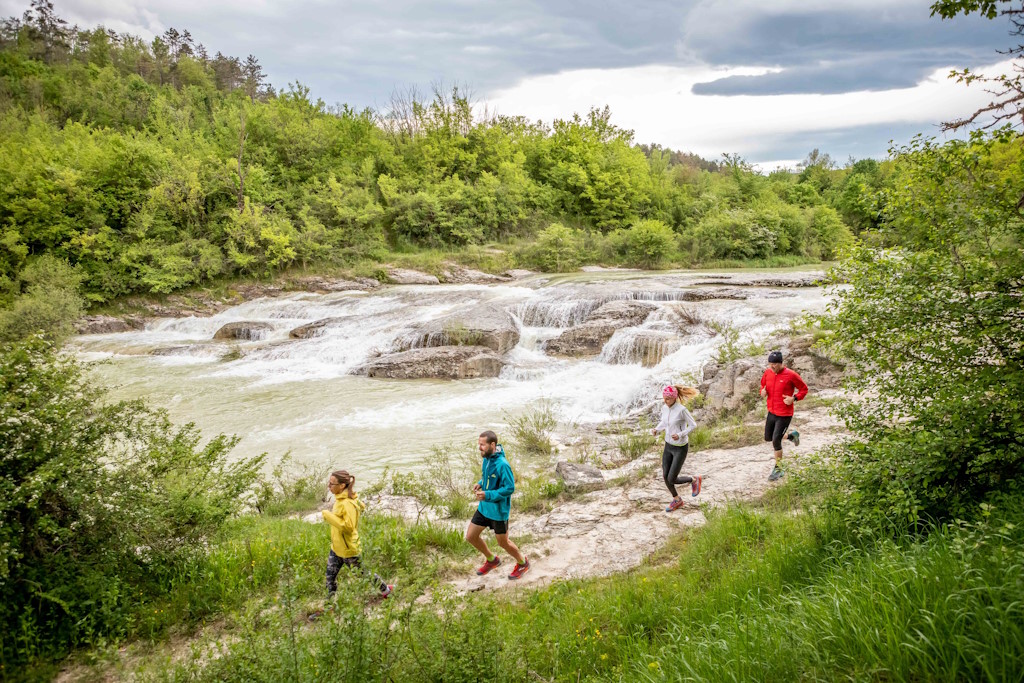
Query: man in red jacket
[(782, 387)]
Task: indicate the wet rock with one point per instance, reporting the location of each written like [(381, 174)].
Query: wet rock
[(589, 338), (107, 324), (315, 329), (245, 330), (647, 347), (403, 276), (811, 279), (579, 476), (730, 293), (443, 362), (518, 273), (325, 285), (483, 325)]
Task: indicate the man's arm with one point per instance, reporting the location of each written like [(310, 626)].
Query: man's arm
[(801, 386), (506, 486)]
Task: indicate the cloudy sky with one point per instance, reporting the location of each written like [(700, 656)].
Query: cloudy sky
[(768, 79)]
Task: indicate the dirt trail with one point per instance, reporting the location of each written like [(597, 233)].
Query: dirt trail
[(615, 529)]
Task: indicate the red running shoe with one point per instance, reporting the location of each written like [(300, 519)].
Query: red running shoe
[(488, 565), (520, 569), (695, 485)]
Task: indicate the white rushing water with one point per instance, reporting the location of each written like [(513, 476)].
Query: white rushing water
[(281, 394)]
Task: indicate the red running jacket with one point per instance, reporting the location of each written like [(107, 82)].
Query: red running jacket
[(786, 383)]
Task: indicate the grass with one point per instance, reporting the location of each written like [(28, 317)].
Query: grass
[(728, 433), (758, 594), (531, 431)]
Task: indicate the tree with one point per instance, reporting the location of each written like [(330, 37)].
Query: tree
[(252, 77), (48, 28), (932, 329), (1007, 90)]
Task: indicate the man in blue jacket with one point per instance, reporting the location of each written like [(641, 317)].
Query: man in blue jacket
[(494, 491)]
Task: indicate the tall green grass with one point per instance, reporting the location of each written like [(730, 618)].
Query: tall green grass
[(767, 594)]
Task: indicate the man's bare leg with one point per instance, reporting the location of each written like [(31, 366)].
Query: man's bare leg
[(511, 548)]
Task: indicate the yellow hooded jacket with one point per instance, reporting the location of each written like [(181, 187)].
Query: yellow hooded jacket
[(344, 521)]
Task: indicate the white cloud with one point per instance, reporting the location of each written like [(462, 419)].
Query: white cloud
[(656, 102)]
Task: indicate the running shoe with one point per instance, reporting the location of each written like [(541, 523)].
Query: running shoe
[(386, 593), (520, 569), (695, 485), (777, 473), (674, 505), (488, 565), (794, 436)]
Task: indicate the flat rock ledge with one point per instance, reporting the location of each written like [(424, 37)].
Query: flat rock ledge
[(441, 362), (579, 476), (590, 337), (404, 276)]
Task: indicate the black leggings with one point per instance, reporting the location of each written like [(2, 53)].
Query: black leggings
[(775, 428), (334, 565), (672, 459)]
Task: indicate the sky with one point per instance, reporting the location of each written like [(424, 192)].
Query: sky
[(767, 79)]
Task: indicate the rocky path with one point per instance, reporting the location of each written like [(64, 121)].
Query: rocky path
[(615, 529)]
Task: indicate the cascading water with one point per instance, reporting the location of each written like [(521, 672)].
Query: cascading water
[(281, 393)]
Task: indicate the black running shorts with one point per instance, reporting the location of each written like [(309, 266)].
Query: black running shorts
[(500, 526)]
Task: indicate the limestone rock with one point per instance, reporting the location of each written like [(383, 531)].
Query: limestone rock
[(314, 329), (578, 476), (323, 285), (483, 325), (726, 388), (107, 324), (818, 371), (442, 362), (589, 338), (403, 276), (460, 275), (250, 331)]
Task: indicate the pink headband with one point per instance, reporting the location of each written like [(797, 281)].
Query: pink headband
[(669, 392)]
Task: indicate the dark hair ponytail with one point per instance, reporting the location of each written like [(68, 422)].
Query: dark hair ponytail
[(346, 479)]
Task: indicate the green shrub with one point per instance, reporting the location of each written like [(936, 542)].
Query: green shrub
[(557, 249), (100, 503), (531, 431), (49, 303), (649, 244)]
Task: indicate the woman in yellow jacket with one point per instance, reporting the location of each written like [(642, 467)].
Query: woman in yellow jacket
[(344, 521)]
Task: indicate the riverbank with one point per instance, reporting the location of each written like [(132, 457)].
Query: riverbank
[(469, 266)]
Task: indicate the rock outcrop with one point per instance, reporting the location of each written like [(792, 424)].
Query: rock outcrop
[(314, 329), (460, 275), (245, 330), (324, 285), (483, 325), (106, 324), (443, 362), (579, 476), (816, 369), (589, 338), (403, 276), (727, 387)]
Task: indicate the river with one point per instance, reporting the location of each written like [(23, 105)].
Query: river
[(281, 394)]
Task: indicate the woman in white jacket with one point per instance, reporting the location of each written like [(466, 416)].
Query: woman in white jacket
[(676, 422)]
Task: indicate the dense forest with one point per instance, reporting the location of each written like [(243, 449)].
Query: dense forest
[(153, 166)]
